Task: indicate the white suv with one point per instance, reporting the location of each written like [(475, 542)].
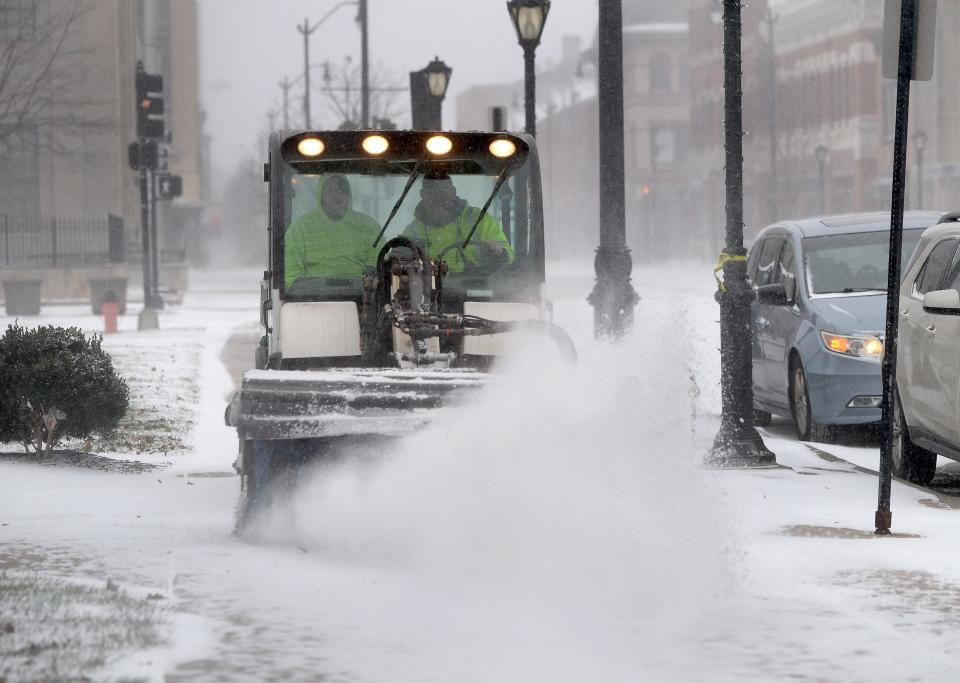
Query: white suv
[(927, 401)]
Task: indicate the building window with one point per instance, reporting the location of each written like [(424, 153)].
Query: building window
[(20, 171), (668, 144), (661, 66)]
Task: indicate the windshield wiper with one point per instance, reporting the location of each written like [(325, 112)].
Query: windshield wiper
[(504, 174), (411, 179)]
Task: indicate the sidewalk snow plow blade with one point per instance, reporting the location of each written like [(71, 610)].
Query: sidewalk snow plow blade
[(303, 405)]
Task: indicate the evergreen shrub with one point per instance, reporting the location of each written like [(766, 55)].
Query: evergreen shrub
[(56, 382)]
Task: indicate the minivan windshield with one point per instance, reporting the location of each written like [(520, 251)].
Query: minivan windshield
[(854, 262)]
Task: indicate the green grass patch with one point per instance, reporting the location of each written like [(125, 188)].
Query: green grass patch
[(52, 630)]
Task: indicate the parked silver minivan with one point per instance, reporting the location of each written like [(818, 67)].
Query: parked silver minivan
[(927, 401)]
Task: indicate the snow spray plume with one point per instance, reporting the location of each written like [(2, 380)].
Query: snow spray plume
[(560, 485)]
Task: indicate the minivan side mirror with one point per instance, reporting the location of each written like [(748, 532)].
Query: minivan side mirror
[(773, 295), (942, 302)]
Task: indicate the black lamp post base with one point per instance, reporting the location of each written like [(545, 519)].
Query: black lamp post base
[(740, 448), (613, 297), (613, 303)]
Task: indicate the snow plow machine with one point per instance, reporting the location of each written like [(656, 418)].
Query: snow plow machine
[(401, 265)]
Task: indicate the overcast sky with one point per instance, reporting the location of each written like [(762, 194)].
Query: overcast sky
[(248, 46)]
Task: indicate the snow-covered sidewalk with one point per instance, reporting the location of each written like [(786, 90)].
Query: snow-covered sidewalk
[(562, 530)]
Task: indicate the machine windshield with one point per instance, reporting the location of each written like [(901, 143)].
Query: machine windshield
[(853, 263), (332, 218)]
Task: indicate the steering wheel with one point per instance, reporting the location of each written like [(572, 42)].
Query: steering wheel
[(399, 241)]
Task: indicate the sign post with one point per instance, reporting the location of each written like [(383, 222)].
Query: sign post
[(909, 32)]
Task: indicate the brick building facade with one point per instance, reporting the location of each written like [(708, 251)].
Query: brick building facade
[(812, 80)]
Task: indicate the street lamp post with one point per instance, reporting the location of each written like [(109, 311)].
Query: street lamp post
[(821, 153), (919, 145), (529, 17), (285, 85), (613, 297), (737, 444), (306, 30), (428, 88), (364, 65)]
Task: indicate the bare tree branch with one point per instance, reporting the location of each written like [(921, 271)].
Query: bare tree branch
[(41, 74), (340, 88)]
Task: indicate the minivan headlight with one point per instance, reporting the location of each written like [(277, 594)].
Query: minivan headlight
[(856, 346)]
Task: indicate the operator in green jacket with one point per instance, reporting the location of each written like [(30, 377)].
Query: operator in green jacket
[(442, 218), (332, 240)]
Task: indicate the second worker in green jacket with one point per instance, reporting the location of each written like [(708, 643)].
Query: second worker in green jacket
[(442, 218), (332, 240)]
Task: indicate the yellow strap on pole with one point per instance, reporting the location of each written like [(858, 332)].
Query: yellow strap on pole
[(724, 257)]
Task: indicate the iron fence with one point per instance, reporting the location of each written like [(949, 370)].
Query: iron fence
[(61, 241)]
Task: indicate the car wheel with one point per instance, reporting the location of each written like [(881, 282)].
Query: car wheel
[(911, 462), (807, 429), (761, 418)]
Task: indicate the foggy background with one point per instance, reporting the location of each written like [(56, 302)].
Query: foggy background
[(818, 116), (249, 46)]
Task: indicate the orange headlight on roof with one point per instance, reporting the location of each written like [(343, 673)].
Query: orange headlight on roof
[(439, 145), (502, 148), (311, 147), (375, 144)]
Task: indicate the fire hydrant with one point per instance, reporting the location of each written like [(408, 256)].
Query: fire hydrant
[(110, 310)]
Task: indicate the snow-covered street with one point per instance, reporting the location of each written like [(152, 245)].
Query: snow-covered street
[(562, 529)]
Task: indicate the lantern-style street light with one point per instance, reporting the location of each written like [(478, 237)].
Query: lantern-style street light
[(438, 78), (529, 17), (428, 88)]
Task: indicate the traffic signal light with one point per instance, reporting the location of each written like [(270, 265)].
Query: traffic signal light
[(149, 104), (169, 186), (146, 155)]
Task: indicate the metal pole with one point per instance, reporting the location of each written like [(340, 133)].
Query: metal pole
[(364, 66), (286, 85), (530, 88), (737, 444), (305, 31), (883, 517), (613, 297), (145, 233), (156, 301)]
